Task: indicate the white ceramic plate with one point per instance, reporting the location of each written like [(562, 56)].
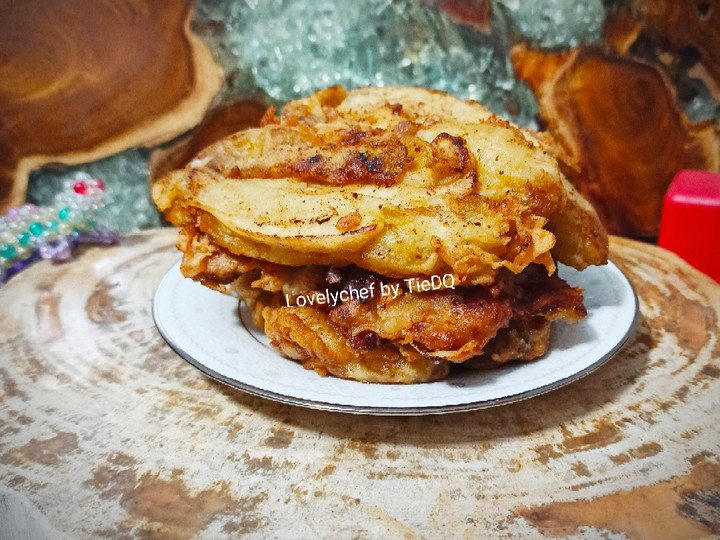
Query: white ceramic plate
[(204, 328)]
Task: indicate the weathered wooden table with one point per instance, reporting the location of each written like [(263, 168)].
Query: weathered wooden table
[(106, 433)]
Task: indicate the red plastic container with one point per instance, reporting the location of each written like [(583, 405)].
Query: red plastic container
[(690, 224)]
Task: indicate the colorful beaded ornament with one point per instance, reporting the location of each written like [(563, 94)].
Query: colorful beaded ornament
[(31, 232)]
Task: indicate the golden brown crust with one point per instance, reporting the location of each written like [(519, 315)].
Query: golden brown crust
[(306, 334), (439, 185), (405, 336), (368, 190)]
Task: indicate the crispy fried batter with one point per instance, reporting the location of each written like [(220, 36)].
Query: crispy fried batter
[(404, 337), (439, 185), (368, 188), (306, 334)]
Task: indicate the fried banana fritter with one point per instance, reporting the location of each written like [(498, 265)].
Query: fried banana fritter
[(399, 181), (380, 185)]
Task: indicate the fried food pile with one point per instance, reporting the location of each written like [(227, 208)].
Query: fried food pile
[(383, 234)]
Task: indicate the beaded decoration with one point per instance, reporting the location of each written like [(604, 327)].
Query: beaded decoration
[(31, 232)]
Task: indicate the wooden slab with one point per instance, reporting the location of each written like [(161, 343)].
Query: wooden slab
[(680, 29), (80, 81), (612, 116), (106, 433)]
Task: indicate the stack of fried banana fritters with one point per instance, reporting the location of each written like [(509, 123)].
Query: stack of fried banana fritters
[(450, 218)]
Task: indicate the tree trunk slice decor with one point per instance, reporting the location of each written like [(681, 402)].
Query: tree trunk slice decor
[(220, 122), (107, 433), (688, 27), (83, 80), (620, 133)]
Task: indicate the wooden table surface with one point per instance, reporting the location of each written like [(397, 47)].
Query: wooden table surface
[(105, 432)]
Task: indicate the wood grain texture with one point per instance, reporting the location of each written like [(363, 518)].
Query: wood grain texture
[(679, 29), (84, 80), (621, 135), (107, 433), (218, 123)]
